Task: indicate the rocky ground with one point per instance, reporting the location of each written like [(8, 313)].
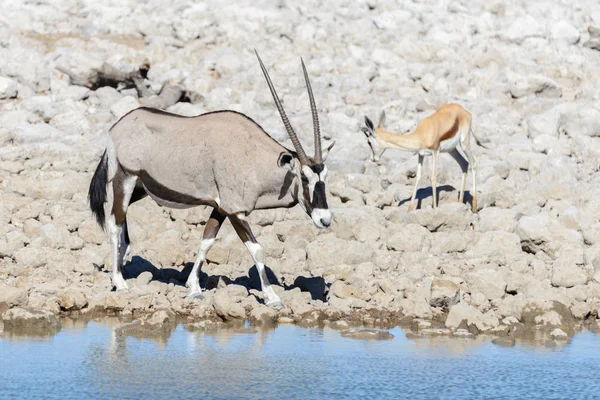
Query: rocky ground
[(529, 260)]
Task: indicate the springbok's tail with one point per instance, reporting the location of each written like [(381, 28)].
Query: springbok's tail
[(477, 139), (97, 191)]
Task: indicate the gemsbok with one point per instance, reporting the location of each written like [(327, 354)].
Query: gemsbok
[(220, 159), (446, 131)]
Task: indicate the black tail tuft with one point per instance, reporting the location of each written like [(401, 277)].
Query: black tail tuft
[(97, 191)]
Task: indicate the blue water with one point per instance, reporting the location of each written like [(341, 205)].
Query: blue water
[(291, 363)]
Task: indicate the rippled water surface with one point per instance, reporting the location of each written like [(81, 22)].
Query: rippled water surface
[(290, 363)]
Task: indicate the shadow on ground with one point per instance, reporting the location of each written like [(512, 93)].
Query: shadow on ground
[(315, 285), (427, 192)]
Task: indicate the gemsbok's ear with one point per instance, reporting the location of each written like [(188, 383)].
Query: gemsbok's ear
[(326, 152), (381, 119), (286, 160)]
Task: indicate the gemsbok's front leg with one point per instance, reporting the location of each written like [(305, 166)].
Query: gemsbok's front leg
[(419, 168), (243, 230), (208, 239)]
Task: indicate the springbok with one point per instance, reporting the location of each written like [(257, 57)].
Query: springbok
[(220, 159), (447, 130)]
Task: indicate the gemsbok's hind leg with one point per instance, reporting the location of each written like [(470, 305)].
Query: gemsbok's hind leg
[(208, 239), (464, 167), (242, 228), (123, 186), (124, 245)]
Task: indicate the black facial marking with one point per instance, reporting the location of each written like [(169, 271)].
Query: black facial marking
[(319, 197), (287, 183), (317, 168)]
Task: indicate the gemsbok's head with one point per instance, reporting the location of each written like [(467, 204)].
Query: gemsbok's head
[(310, 171)]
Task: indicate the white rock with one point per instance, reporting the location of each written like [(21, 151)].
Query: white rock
[(444, 293), (487, 281), (123, 106), (226, 306), (144, 278), (565, 273), (583, 122), (539, 85), (12, 296), (558, 333), (464, 313), (72, 300), (263, 314), (30, 257), (564, 31), (523, 28), (71, 122), (24, 319), (411, 237), (8, 88)]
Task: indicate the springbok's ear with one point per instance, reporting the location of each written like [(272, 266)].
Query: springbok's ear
[(369, 123), (286, 160), (326, 152), (381, 119)]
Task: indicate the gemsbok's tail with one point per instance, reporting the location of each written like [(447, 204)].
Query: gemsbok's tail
[(477, 139), (97, 191)]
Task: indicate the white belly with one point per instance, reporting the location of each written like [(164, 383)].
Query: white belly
[(450, 144)]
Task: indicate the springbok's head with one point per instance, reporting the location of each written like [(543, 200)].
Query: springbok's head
[(311, 171), (371, 133)]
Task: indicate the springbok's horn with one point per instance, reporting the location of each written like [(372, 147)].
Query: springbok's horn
[(315, 117), (286, 122)]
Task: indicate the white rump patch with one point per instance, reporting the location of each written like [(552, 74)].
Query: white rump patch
[(450, 144)]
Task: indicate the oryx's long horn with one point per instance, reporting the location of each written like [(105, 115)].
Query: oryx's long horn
[(286, 122), (315, 117)]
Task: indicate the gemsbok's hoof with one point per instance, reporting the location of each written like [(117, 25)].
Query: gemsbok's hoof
[(275, 304), (121, 288), (195, 296)]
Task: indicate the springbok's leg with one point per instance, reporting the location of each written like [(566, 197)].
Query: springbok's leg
[(473, 163), (243, 230), (464, 166), (419, 168), (123, 187), (433, 176), (208, 239)]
